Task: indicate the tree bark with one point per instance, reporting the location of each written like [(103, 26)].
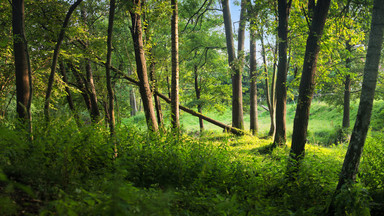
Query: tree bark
[(22, 65), (268, 92), (198, 96), (55, 57), (90, 85), (307, 83), (159, 112), (281, 81), (355, 149), (175, 67), (111, 110), (253, 74), (347, 90), (145, 90), (237, 94), (359, 134)]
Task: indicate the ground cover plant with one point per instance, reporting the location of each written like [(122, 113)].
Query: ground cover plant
[(72, 171)]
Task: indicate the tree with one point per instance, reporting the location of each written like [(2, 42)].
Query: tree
[(307, 83), (107, 68), (55, 57), (359, 134), (281, 81), (141, 67), (22, 65), (175, 67), (253, 76), (236, 67)]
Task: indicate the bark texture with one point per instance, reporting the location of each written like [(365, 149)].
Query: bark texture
[(175, 67), (237, 95), (145, 90), (307, 82), (359, 134), (281, 81), (347, 91), (111, 110), (22, 65), (253, 91)]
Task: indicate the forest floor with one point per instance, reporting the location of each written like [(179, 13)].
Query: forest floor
[(72, 171)]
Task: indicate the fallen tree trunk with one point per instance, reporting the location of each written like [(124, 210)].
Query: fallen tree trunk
[(185, 109)]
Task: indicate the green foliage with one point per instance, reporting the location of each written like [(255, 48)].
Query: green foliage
[(353, 200)]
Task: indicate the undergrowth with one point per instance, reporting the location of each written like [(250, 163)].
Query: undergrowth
[(70, 171)]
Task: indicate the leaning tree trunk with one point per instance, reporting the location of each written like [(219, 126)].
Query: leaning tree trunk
[(175, 67), (55, 57), (253, 74), (22, 65), (359, 134), (237, 95), (281, 81), (307, 83), (81, 86), (111, 96), (145, 89), (355, 149)]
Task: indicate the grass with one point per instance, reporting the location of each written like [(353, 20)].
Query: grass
[(72, 171)]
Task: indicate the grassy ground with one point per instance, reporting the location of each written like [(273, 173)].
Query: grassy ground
[(72, 171)]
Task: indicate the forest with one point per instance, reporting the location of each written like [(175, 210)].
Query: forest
[(191, 107)]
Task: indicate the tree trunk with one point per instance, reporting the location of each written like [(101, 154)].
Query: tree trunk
[(253, 74), (198, 96), (347, 90), (69, 94), (307, 83), (111, 96), (281, 82), (22, 66), (355, 149), (175, 67), (359, 134), (268, 95), (80, 83), (90, 85), (237, 94), (55, 57), (145, 90), (159, 112)]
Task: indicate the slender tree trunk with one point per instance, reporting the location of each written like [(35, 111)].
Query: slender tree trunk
[(22, 65), (159, 112), (268, 95), (145, 90), (253, 74), (90, 85), (80, 83), (111, 96), (132, 98), (237, 93), (307, 83), (175, 67), (69, 94), (198, 96), (281, 82), (55, 57), (359, 134), (347, 90)]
